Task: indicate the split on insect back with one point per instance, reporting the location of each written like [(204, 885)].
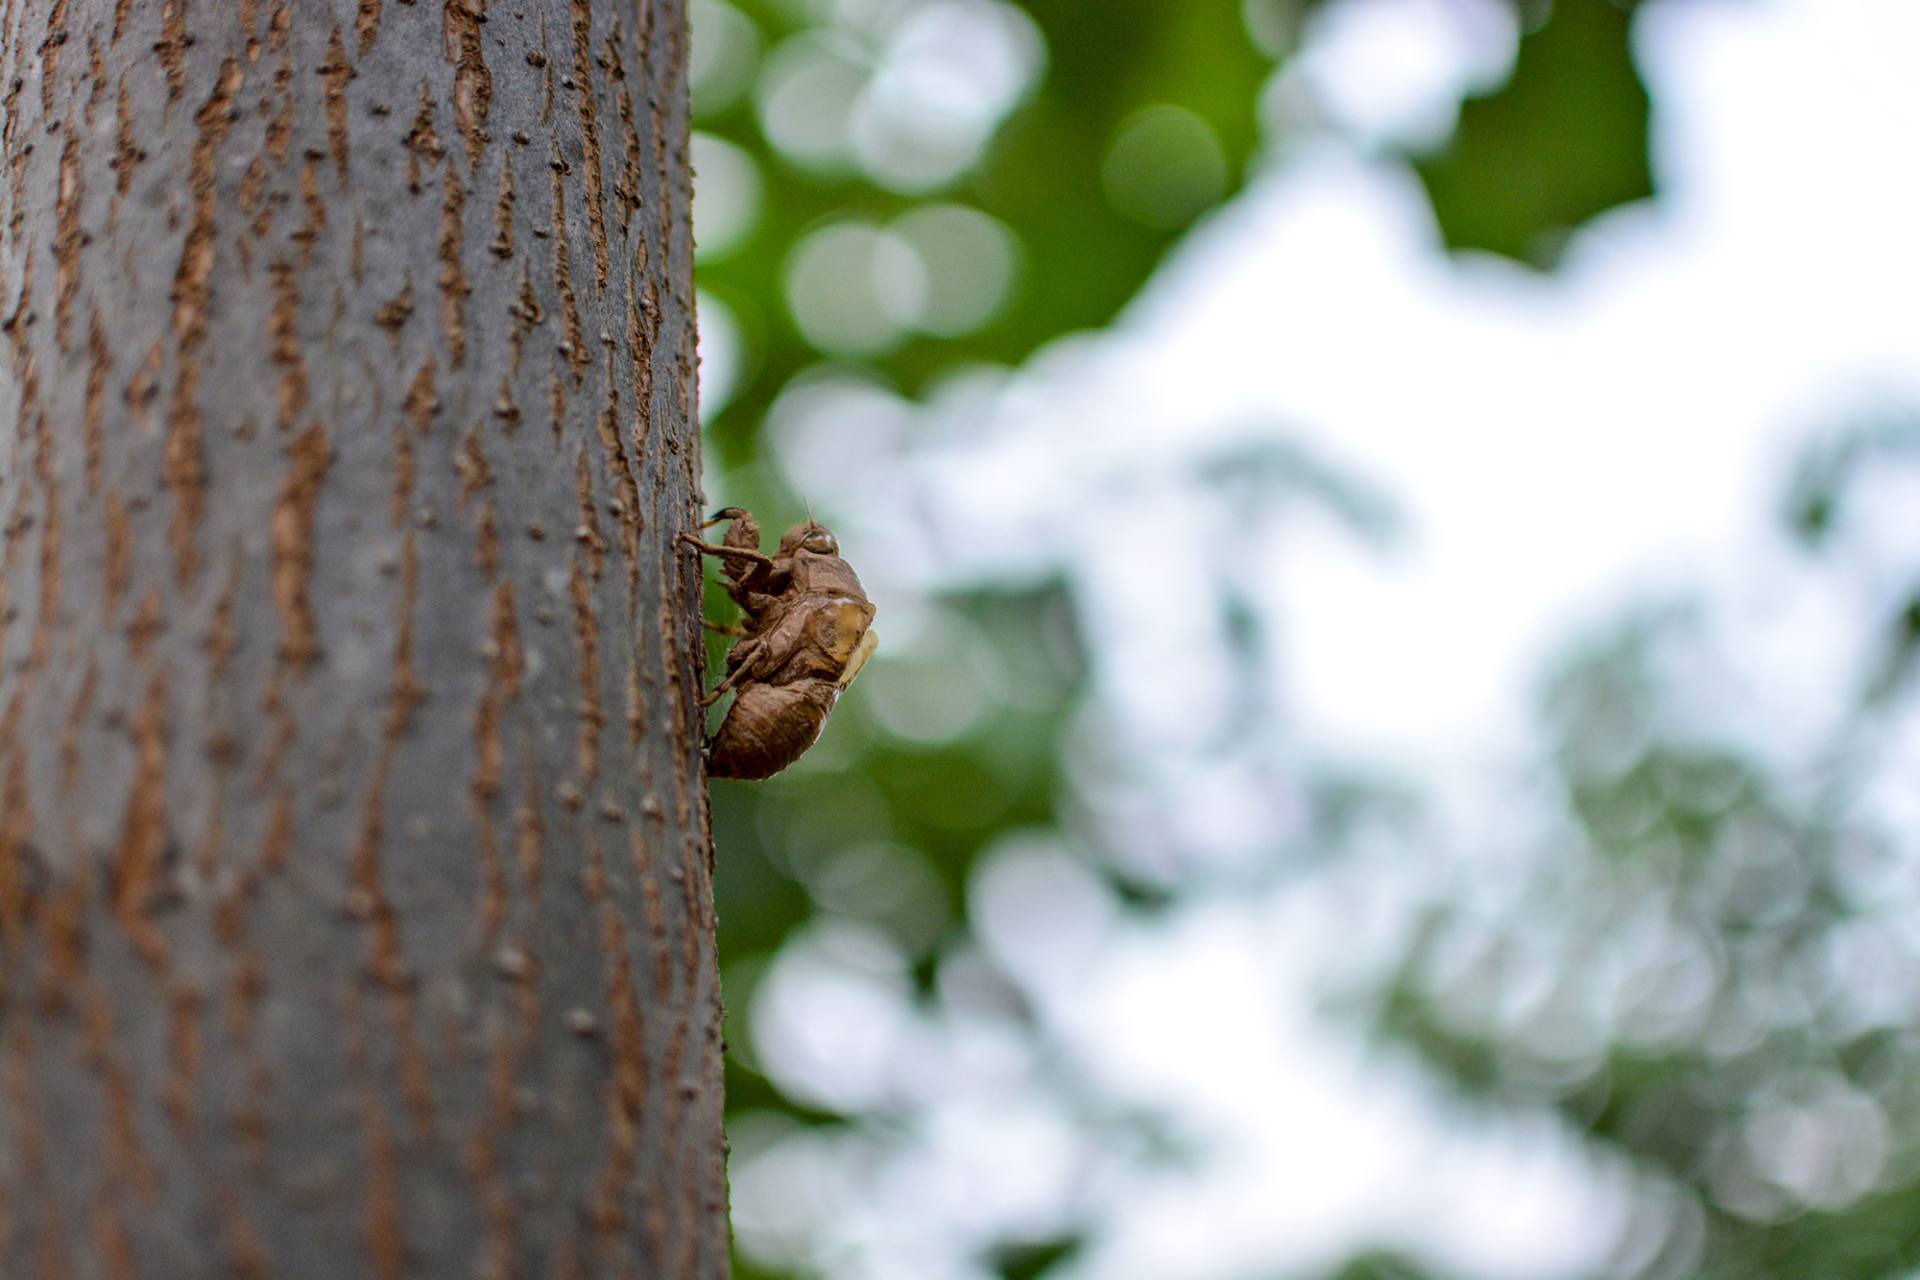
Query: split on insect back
[(805, 634)]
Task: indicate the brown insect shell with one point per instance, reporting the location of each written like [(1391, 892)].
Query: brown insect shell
[(806, 615), (811, 618), (798, 578), (811, 573), (768, 727)]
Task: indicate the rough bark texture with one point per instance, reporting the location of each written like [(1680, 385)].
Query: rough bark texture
[(354, 886)]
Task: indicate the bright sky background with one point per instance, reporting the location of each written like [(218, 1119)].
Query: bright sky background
[(1554, 447), (1551, 442)]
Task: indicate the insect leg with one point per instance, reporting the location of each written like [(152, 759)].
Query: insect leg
[(726, 553), (719, 690), (721, 628), (742, 665)]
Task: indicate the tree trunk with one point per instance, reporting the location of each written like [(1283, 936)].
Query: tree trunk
[(355, 912)]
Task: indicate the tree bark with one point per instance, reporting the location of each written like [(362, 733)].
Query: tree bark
[(355, 910)]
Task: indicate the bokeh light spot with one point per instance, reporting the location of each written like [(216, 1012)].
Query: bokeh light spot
[(806, 99), (1038, 908), (723, 54), (969, 259), (1272, 25), (828, 1017), (948, 76), (1164, 167), (838, 437), (719, 354), (854, 289), (886, 884), (939, 689), (726, 196)]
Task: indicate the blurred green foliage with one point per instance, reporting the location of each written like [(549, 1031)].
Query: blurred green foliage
[(1045, 174), (1075, 145), (1030, 1262), (1699, 979), (1379, 1267), (1563, 141)]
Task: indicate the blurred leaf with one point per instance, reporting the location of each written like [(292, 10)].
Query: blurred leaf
[(1032, 1261), (1379, 1266), (1823, 479), (1899, 651), (1875, 1238), (1562, 142)]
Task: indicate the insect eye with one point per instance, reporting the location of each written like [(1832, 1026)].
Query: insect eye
[(823, 543)]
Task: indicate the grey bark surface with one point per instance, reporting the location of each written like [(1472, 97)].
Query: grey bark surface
[(355, 910)]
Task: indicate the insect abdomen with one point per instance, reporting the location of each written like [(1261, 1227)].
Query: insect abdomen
[(768, 727)]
